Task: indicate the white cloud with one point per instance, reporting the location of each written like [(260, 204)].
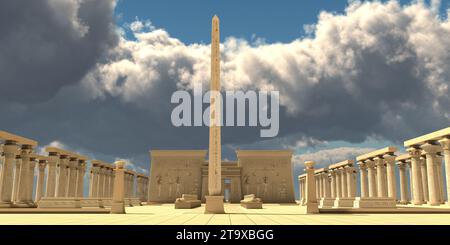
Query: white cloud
[(383, 63), (131, 166), (58, 144), (329, 156)]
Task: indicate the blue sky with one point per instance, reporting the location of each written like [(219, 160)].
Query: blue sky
[(275, 21)]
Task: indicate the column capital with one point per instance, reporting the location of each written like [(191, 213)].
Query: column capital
[(350, 169), (379, 161), (42, 164), (73, 163), (369, 163), (430, 149), (445, 143), (309, 164), (25, 151), (53, 158), (33, 162), (10, 149), (414, 152), (401, 164), (82, 165), (362, 165), (390, 158)]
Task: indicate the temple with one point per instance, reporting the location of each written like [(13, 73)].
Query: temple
[(266, 173)]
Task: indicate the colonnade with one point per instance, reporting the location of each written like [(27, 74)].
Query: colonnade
[(65, 177), (101, 181), (425, 162), (423, 175), (59, 176), (142, 187), (17, 170), (130, 190)]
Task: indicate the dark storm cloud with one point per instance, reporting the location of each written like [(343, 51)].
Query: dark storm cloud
[(46, 45)]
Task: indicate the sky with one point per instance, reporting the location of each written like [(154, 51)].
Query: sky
[(96, 77)]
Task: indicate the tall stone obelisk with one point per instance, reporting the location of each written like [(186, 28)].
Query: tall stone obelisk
[(214, 200)]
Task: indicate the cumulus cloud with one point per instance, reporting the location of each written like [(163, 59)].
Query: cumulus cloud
[(329, 156), (132, 166), (377, 70)]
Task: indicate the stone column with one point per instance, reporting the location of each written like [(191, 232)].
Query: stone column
[(133, 191), (24, 177), (2, 160), (411, 185), (106, 182), (433, 188), (316, 180), (351, 188), (445, 143), (93, 181), (333, 183), (300, 190), (343, 182), (18, 164), (73, 171), (372, 178), (111, 183), (127, 185), (312, 206), (139, 187), (338, 182), (80, 181), (101, 181), (30, 182), (391, 179), (440, 178), (403, 183), (40, 180), (62, 176), (326, 184), (423, 171), (53, 160), (363, 179), (6, 186), (118, 203), (381, 187), (416, 176)]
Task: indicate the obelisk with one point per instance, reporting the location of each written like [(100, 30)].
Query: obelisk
[(214, 200)]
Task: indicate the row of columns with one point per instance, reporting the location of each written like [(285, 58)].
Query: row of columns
[(342, 182), (427, 182), (101, 180), (142, 187), (65, 176), (377, 176), (130, 184)]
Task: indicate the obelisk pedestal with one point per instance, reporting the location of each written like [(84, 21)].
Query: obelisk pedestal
[(214, 202)]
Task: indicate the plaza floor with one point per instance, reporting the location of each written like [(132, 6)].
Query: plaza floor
[(271, 214)]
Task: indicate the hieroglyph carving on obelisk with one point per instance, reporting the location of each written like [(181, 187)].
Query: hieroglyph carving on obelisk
[(214, 200), (214, 171)]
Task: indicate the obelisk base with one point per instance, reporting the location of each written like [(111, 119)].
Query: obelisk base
[(214, 205)]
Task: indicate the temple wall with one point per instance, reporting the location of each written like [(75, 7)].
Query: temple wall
[(268, 175), (173, 173)]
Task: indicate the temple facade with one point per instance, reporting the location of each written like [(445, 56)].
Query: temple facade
[(266, 173)]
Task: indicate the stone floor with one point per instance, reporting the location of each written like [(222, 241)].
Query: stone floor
[(272, 214)]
